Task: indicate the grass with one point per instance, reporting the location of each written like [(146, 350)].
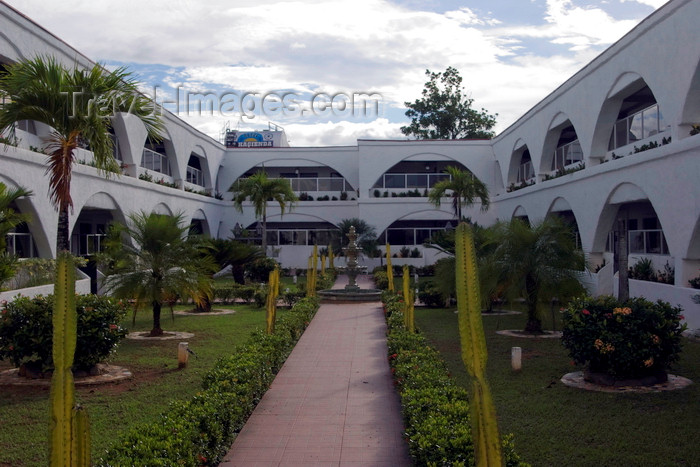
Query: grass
[(24, 421), (557, 425)]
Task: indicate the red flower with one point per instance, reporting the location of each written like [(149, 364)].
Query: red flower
[(585, 312), (12, 347), (113, 327), (681, 317)]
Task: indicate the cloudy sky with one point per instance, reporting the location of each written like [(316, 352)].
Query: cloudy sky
[(260, 61)]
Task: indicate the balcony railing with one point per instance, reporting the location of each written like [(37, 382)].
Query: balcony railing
[(409, 180), (155, 161), (647, 241), (641, 125), (195, 176), (526, 171), (567, 155), (306, 185), (300, 185), (90, 244)]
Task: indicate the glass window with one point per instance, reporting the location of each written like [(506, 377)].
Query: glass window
[(636, 128), (422, 235), (650, 119), (653, 242), (416, 180), (320, 237), (292, 237), (394, 181), (272, 237), (400, 236), (636, 241)]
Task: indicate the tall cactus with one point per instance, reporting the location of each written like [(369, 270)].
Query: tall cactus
[(272, 293), (69, 441), (389, 269), (487, 444), (309, 279), (408, 299), (331, 257), (323, 264)]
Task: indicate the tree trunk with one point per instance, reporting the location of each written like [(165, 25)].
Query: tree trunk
[(264, 233), (238, 273), (622, 260), (63, 231), (156, 331), (534, 324)]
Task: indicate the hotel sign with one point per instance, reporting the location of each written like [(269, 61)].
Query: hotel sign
[(249, 139)]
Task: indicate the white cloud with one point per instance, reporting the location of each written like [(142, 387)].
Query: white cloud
[(308, 46), (652, 3)]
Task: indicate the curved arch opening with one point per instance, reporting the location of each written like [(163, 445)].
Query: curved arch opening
[(412, 178), (562, 151)]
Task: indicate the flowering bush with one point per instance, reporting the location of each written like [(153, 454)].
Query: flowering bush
[(634, 339), (26, 331)]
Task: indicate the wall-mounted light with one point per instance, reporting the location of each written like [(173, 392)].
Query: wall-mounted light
[(427, 167)]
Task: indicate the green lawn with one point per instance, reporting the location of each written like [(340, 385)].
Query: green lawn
[(555, 425), (115, 407)]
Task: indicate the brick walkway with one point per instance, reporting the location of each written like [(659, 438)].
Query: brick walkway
[(333, 402)]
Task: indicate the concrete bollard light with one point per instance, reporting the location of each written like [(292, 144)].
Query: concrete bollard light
[(516, 356), (182, 355)]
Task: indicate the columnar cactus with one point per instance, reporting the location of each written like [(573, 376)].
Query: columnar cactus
[(389, 269), (272, 293), (331, 257), (70, 431), (487, 443), (409, 298)]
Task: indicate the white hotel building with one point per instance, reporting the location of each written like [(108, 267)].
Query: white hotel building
[(643, 93)]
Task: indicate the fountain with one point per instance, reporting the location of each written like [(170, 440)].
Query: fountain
[(352, 292)]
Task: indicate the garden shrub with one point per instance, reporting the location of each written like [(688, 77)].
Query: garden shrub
[(430, 295), (26, 331), (200, 431), (633, 339), (435, 409), (259, 270), (381, 280)]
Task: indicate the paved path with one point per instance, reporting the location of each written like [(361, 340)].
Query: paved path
[(333, 402)]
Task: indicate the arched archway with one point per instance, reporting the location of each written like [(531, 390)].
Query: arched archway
[(520, 213), (27, 240), (199, 225), (629, 116), (561, 149), (691, 107), (521, 171)]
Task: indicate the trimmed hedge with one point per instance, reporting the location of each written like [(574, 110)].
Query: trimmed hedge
[(435, 409), (200, 431)]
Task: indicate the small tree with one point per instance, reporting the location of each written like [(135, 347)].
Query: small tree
[(260, 189), (153, 260), (463, 187), (444, 113), (228, 252), (9, 219), (537, 262), (366, 235)]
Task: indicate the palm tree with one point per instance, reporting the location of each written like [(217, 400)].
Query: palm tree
[(537, 262), (260, 189), (9, 217), (366, 235), (463, 187), (153, 260), (228, 252), (78, 105)]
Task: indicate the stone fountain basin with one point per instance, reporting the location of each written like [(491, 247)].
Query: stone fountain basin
[(345, 295)]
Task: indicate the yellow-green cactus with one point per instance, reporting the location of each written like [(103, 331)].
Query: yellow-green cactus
[(406, 292), (330, 257), (69, 441), (272, 293), (487, 443), (389, 269)]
